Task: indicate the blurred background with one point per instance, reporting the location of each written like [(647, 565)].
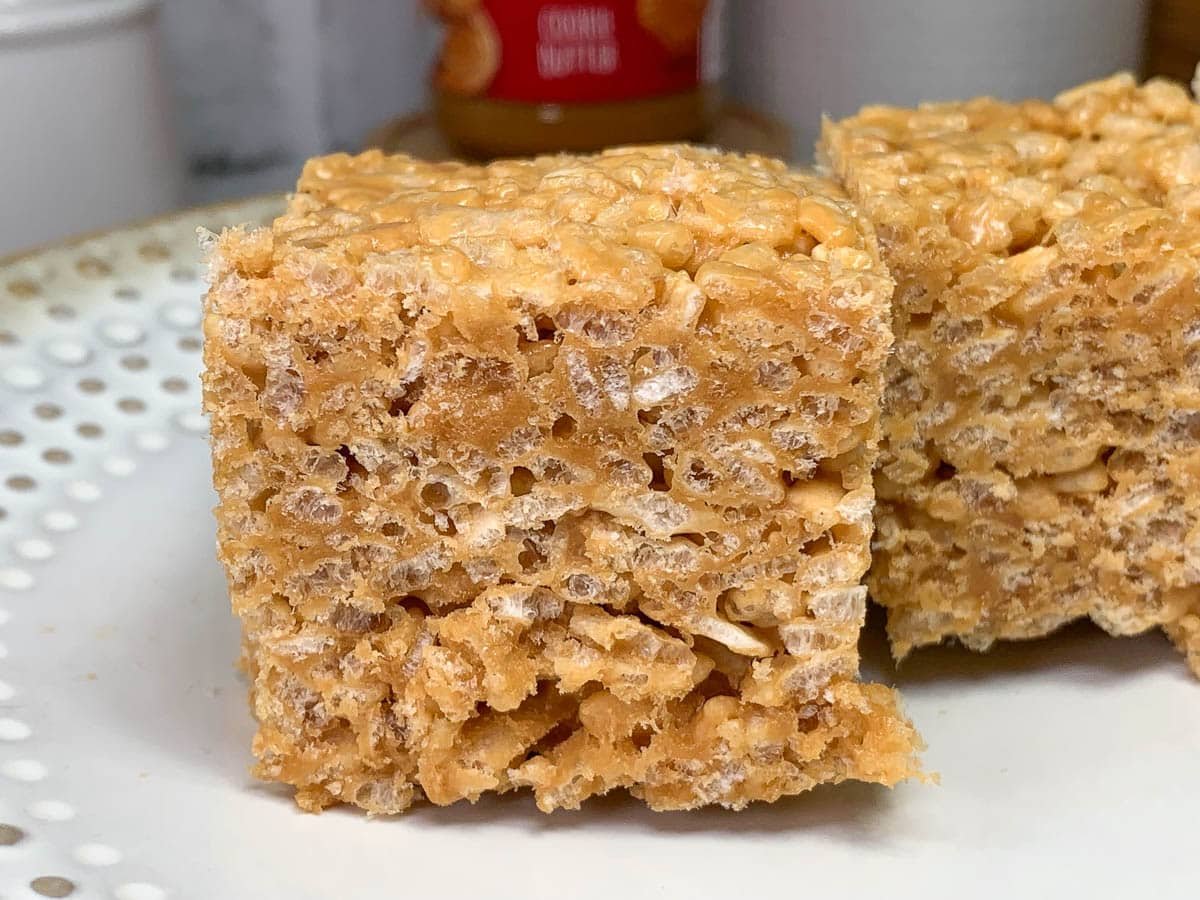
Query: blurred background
[(120, 109)]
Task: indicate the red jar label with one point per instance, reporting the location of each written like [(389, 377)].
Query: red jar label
[(568, 51)]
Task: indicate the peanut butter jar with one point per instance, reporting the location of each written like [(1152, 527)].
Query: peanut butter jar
[(518, 77)]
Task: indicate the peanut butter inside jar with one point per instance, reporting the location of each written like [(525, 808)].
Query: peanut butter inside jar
[(520, 77)]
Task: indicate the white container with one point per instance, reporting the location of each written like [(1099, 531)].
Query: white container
[(86, 138), (798, 59)]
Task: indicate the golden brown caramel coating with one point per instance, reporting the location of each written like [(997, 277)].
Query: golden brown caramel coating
[(1041, 457), (553, 474)]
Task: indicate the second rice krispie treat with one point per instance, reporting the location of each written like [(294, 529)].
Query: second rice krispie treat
[(1041, 460), (553, 474)]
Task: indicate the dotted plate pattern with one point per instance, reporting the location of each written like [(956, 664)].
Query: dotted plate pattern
[(99, 362)]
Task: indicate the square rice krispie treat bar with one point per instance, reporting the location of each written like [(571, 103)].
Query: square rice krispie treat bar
[(1041, 457), (553, 474)]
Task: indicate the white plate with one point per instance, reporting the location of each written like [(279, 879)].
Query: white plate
[(1070, 767)]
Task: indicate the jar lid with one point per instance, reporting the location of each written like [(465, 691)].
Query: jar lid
[(26, 18)]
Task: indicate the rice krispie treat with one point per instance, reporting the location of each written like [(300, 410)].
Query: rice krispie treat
[(1041, 458), (553, 474)]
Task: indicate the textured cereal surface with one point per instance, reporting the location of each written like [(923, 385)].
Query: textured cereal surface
[(1041, 457), (553, 474)]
